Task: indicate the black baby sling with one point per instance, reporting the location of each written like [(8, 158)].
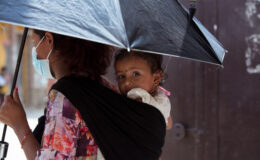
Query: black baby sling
[(123, 129)]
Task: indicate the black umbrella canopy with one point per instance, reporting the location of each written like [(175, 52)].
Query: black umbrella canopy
[(150, 25)]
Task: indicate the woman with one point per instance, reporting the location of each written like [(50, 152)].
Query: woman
[(83, 113), (64, 56)]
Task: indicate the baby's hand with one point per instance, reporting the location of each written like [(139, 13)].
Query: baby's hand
[(169, 125), (139, 94)]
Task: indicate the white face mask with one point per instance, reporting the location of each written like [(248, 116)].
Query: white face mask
[(42, 66)]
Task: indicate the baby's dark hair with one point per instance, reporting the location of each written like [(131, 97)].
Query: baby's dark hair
[(154, 60)]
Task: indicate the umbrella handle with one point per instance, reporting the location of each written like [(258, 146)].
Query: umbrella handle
[(3, 144), (3, 149)]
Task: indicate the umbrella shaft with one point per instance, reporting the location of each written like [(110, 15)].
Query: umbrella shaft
[(16, 72), (19, 59), (4, 132)]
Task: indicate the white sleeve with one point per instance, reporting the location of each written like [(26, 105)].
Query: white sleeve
[(165, 104), (100, 155), (160, 102)]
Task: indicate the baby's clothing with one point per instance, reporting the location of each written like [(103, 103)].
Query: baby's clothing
[(159, 101), (100, 155)]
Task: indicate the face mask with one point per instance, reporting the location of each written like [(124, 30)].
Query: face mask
[(42, 66)]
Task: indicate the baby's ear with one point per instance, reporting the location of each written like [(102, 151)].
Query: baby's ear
[(157, 77)]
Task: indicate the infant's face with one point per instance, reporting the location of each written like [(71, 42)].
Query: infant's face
[(134, 72)]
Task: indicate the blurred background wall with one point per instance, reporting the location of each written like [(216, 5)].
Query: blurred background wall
[(219, 108)]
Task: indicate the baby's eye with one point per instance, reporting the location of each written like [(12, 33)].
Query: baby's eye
[(119, 77), (136, 74)]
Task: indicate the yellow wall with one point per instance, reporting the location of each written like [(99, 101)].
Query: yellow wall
[(2, 49)]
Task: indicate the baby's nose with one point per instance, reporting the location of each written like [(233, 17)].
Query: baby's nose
[(128, 84)]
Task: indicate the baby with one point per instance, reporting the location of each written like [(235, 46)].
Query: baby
[(139, 76)]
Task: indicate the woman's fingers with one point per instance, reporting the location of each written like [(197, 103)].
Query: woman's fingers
[(12, 112), (4, 110), (7, 101), (16, 96)]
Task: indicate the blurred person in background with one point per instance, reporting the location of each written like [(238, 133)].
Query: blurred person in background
[(4, 83)]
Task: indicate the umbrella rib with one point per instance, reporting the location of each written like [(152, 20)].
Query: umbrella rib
[(123, 23), (177, 56)]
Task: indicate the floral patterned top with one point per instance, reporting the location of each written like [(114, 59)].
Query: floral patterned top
[(66, 135)]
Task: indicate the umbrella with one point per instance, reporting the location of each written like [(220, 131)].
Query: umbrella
[(148, 25), (162, 27)]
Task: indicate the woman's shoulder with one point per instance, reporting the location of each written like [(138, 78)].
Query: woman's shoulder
[(60, 105), (53, 93)]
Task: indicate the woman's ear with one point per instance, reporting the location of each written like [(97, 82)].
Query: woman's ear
[(49, 40), (157, 77)]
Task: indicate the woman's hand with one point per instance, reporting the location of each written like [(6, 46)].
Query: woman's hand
[(12, 112)]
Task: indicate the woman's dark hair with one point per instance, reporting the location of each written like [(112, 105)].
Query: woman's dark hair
[(82, 56), (154, 60)]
